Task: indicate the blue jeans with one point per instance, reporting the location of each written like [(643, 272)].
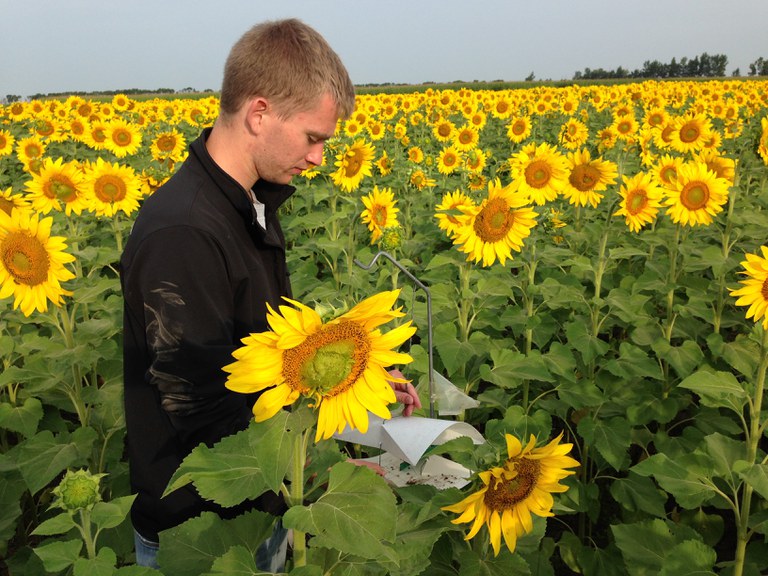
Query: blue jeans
[(270, 556)]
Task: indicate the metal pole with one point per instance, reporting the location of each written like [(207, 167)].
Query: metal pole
[(429, 319)]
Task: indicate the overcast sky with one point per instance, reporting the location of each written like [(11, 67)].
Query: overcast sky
[(89, 45)]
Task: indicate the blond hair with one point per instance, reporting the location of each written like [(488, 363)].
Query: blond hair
[(289, 63)]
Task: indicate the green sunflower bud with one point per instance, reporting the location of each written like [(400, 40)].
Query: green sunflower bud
[(78, 491), (391, 238)]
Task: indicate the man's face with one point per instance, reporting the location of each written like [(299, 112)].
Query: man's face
[(288, 146)]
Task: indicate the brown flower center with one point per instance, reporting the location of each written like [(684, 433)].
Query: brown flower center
[(25, 258)]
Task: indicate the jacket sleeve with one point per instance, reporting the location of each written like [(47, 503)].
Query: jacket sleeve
[(181, 277)]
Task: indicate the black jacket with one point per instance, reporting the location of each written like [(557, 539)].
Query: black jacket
[(196, 274)]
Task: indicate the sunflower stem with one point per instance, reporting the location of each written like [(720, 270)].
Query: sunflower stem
[(753, 439), (297, 494)]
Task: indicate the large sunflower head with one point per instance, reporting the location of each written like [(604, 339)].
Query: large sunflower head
[(497, 226), (698, 195), (58, 185), (111, 188), (32, 262), (754, 290), (339, 364), (510, 493)]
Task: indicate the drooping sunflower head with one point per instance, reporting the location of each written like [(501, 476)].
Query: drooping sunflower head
[(340, 364)]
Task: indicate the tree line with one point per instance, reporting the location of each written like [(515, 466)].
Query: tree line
[(702, 66)]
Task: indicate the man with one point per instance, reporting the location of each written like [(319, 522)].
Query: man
[(206, 255)]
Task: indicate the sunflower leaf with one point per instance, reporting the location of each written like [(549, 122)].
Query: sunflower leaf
[(356, 515), (241, 466)]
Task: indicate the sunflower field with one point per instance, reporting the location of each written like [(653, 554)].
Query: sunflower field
[(583, 270)]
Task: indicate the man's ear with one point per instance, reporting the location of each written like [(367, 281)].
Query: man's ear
[(256, 109)]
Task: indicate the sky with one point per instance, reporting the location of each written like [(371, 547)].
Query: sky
[(49, 46)]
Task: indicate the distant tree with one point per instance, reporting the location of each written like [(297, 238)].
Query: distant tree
[(759, 67), (531, 77), (11, 98), (736, 72)]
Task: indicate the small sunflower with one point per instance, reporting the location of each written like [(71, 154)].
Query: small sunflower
[(519, 128), (353, 164), (111, 188), (10, 201), (58, 184), (540, 171), (641, 200), (466, 138), (510, 493), (754, 292), (380, 211), (587, 178), (573, 134), (7, 141), (341, 364), (122, 138), (452, 211), (698, 195), (690, 132), (32, 262), (169, 144), (449, 160), (497, 226)]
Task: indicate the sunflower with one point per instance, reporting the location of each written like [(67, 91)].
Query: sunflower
[(540, 171), (665, 170), (451, 211), (475, 160), (722, 166), (354, 164), (58, 183), (31, 261), (466, 138), (762, 147), (510, 493), (10, 201), (169, 144), (641, 200), (497, 226), (573, 134), (384, 164), (380, 211), (6, 142), (415, 155), (698, 195), (110, 188), (122, 138), (420, 180), (519, 128), (340, 364), (376, 129), (754, 292), (449, 160), (690, 132), (587, 178)]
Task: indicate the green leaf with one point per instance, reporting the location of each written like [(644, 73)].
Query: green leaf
[(678, 477), (41, 458), (191, 548), (102, 565), (644, 546), (22, 419), (111, 514), (684, 358), (639, 494), (356, 515), (725, 452), (756, 475), (716, 389), (60, 524), (237, 561), (742, 354), (590, 347), (11, 489), (505, 564), (689, 558), (634, 362), (241, 466), (510, 368), (58, 555), (612, 438)]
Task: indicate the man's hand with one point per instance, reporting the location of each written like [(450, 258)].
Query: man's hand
[(405, 393)]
